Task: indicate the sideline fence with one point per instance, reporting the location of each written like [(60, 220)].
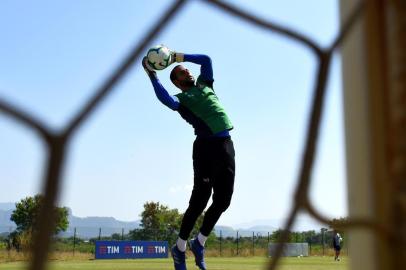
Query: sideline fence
[(222, 243)]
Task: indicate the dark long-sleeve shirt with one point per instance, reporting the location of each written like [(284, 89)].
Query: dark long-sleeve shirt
[(172, 102), (206, 74)]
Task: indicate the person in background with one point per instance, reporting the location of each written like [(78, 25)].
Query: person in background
[(337, 239)]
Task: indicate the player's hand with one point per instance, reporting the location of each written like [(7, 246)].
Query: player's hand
[(176, 57), (148, 69)]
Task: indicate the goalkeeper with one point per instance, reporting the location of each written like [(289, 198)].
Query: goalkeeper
[(213, 150)]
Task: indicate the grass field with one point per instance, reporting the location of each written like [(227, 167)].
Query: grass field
[(242, 263)]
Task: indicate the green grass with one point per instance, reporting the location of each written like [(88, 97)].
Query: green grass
[(241, 263)]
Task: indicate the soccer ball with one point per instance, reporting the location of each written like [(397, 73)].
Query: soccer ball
[(159, 57)]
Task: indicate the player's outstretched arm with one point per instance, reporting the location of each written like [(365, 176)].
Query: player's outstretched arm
[(170, 101), (206, 68)]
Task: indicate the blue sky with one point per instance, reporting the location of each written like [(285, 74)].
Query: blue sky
[(54, 54)]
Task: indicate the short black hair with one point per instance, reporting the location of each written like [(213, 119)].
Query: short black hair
[(173, 74)]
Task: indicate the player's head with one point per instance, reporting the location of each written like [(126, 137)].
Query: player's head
[(182, 78)]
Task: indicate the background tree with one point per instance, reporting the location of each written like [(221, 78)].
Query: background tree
[(25, 216), (116, 236), (338, 222), (275, 236), (309, 236), (159, 222)]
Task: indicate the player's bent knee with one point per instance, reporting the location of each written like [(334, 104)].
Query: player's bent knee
[(197, 207), (222, 205)]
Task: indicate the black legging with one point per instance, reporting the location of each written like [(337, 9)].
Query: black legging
[(214, 168)]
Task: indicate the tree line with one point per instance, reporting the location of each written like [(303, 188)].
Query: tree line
[(158, 222)]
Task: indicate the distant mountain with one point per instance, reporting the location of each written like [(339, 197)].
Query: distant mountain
[(99, 222), (224, 231), (262, 228), (87, 227), (6, 225), (302, 223), (7, 206), (5, 222), (91, 227), (265, 226), (227, 231)]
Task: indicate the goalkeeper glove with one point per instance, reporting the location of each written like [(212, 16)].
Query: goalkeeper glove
[(148, 69), (176, 57)]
